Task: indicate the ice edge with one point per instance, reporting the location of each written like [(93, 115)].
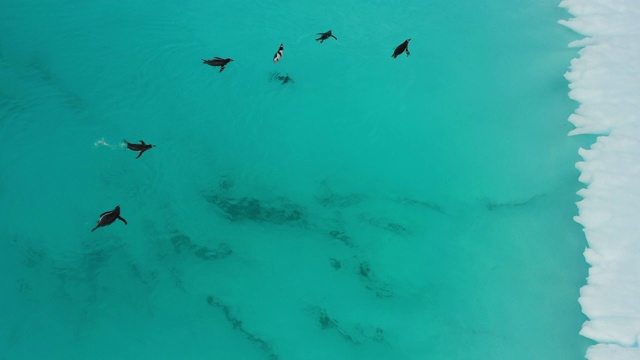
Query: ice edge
[(605, 81)]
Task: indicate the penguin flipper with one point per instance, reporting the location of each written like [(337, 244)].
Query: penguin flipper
[(97, 226), (334, 37), (142, 142), (221, 68), (140, 154), (122, 219)]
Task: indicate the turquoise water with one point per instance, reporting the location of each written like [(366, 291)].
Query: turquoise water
[(376, 208)]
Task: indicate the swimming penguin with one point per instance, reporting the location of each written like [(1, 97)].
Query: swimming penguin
[(107, 218), (216, 61), (402, 48), (325, 35), (142, 147), (278, 54)]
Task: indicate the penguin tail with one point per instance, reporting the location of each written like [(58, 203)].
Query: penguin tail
[(97, 226)]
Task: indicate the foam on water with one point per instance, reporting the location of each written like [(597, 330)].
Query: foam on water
[(604, 80)]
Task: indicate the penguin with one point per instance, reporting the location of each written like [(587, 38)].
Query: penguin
[(278, 54), (402, 48), (325, 35), (142, 147), (216, 61), (108, 217)]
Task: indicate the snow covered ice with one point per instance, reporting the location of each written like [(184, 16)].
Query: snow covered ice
[(605, 81)]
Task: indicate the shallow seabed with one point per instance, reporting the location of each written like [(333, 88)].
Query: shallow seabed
[(374, 208)]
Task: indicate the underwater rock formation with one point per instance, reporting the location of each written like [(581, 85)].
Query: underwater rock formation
[(237, 325), (344, 238), (371, 283), (183, 243), (329, 198), (250, 209), (328, 323), (494, 205), (424, 204), (385, 224), (355, 334)]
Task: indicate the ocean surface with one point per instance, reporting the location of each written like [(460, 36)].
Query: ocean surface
[(373, 208)]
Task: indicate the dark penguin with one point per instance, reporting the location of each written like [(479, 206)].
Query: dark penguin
[(402, 48), (216, 61), (142, 147), (324, 36), (107, 218), (278, 54)]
